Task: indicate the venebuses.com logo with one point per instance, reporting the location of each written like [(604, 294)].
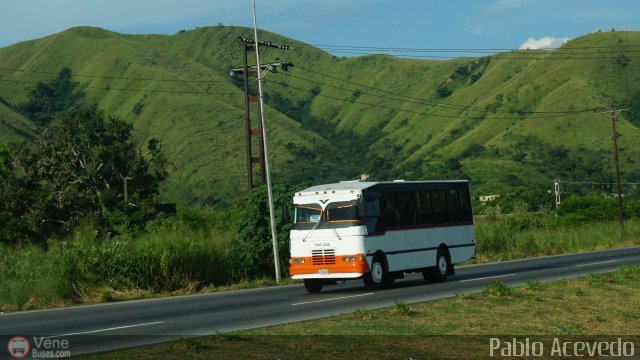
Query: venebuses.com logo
[(38, 347)]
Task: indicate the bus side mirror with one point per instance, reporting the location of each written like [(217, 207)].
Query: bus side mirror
[(362, 209)]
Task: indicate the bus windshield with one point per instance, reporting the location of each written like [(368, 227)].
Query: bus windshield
[(308, 214), (343, 213)]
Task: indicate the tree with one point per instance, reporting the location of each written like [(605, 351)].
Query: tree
[(87, 168), (254, 250), (443, 91), (474, 150), (17, 200), (48, 99), (633, 104), (4, 159)]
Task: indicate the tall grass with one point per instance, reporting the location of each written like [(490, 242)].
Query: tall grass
[(189, 252), (522, 236), (27, 273)]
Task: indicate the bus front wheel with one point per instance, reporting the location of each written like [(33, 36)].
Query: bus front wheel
[(379, 276), (313, 286)]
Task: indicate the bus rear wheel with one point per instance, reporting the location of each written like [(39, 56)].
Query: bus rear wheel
[(379, 276), (313, 286), (441, 270)]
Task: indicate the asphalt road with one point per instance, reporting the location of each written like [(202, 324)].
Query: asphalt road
[(103, 327)]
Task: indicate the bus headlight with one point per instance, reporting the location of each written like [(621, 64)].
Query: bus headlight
[(296, 261), (348, 258)]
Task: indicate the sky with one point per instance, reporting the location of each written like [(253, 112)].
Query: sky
[(447, 24)]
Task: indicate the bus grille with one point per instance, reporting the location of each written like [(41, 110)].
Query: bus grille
[(323, 257)]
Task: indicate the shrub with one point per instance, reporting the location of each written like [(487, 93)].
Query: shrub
[(363, 314), (401, 308), (494, 238), (498, 289), (587, 208)]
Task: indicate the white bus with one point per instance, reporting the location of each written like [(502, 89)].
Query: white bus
[(378, 231)]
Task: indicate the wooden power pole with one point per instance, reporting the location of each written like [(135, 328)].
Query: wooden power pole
[(612, 114), (249, 45)]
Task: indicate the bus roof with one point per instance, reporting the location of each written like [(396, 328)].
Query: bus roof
[(358, 186)]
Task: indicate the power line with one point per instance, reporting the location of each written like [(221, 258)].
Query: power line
[(500, 56), (519, 52), (523, 53), (128, 89), (421, 102), (445, 105), (596, 183), (500, 53), (405, 110), (402, 97), (113, 77), (457, 49)]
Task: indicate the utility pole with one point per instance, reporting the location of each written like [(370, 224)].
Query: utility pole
[(247, 116), (612, 113), (249, 45), (274, 236), (126, 188), (263, 159), (556, 186)]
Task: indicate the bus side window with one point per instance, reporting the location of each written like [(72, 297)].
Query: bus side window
[(391, 211), (454, 206), (424, 214), (372, 217), (440, 206), (407, 207)]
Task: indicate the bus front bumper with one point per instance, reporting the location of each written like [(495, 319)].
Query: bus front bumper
[(338, 267)]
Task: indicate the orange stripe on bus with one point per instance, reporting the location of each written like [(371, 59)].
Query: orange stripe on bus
[(340, 266)]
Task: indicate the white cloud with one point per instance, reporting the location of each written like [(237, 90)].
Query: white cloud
[(547, 42)]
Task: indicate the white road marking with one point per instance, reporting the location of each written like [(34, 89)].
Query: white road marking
[(338, 298), (102, 330), (597, 263), (488, 277)]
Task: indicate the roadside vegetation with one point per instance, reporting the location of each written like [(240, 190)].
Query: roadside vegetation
[(204, 250), (581, 224), (195, 250), (542, 310)]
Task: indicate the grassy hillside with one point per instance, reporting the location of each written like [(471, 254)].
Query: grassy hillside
[(200, 123), (507, 120), (14, 126)]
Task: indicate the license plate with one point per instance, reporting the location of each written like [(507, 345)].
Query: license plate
[(323, 271)]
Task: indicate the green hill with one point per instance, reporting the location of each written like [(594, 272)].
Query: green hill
[(203, 132), (14, 126), (513, 119)]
